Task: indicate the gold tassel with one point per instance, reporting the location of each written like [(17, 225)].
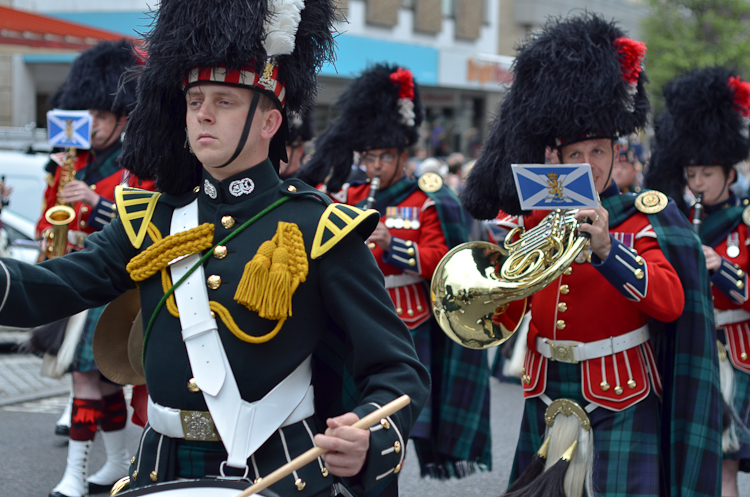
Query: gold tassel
[(252, 287), (278, 292)]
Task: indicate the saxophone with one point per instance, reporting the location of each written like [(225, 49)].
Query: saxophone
[(61, 214)]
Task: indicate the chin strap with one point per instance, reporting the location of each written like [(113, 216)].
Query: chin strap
[(245, 130)]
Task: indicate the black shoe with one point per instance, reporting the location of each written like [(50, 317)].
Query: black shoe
[(95, 488), (62, 430)]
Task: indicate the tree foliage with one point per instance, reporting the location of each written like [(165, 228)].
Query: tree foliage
[(686, 34)]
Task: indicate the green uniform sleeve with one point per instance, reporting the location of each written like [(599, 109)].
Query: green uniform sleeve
[(35, 294), (383, 364)]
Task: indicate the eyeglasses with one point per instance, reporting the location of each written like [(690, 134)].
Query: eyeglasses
[(385, 158)]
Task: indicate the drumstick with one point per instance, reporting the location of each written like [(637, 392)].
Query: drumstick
[(371, 419)]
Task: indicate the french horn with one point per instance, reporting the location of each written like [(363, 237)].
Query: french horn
[(479, 290)]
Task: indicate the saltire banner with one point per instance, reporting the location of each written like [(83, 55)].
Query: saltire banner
[(555, 186), (69, 128)]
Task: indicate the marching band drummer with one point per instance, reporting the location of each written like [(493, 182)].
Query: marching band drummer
[(98, 404), (700, 137), (380, 115), (590, 366), (259, 297)]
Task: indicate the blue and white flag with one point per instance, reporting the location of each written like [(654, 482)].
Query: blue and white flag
[(69, 128), (555, 186)]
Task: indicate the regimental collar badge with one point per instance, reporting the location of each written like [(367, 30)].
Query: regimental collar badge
[(239, 187), (209, 189)]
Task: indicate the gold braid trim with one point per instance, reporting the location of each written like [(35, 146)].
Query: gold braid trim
[(226, 317), (162, 252)]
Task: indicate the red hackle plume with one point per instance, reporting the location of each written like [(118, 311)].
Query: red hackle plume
[(405, 81), (631, 53), (741, 95)]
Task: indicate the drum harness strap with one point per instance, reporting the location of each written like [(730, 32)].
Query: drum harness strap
[(243, 426)]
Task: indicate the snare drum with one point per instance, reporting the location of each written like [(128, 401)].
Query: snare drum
[(196, 488)]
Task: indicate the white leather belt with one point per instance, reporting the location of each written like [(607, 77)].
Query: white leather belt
[(198, 425), (573, 352), (242, 426), (731, 316), (397, 280)]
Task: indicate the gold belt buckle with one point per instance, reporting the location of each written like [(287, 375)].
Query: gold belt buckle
[(562, 353), (199, 426)]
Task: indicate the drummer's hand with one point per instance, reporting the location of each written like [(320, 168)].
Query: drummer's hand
[(381, 236), (348, 446), (713, 260), (598, 228)]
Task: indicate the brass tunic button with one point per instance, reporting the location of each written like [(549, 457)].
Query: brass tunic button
[(639, 260), (213, 315), (397, 447), (291, 189), (604, 385), (220, 252), (740, 284), (740, 273), (83, 224), (568, 271), (411, 251), (154, 476), (562, 307), (132, 460), (560, 324), (84, 209), (324, 472), (639, 274), (192, 386), (227, 221), (214, 281), (743, 356), (385, 424), (420, 308), (564, 289), (631, 383), (397, 469), (196, 189), (300, 484), (409, 243), (93, 188), (410, 312), (618, 390), (412, 262), (371, 245), (135, 475), (399, 311)]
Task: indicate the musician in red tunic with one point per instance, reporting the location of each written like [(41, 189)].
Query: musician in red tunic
[(592, 381), (699, 139), (420, 221)]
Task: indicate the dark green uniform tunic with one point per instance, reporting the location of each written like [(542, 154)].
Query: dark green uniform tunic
[(363, 354)]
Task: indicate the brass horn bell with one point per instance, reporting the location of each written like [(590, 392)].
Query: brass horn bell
[(479, 289)]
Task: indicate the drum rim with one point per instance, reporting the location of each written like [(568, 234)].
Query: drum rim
[(206, 482)]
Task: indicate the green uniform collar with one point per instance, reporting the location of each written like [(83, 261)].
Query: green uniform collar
[(242, 186)]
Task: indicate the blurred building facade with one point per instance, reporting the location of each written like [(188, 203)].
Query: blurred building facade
[(460, 52)]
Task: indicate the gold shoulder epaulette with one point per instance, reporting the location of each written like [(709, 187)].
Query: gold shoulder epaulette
[(337, 221), (746, 216), (135, 207), (651, 202)]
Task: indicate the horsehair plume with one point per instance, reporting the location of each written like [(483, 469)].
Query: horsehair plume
[(404, 80), (579, 474), (741, 98), (631, 54), (280, 26)]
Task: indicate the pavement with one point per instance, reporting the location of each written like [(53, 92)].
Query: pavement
[(21, 380)]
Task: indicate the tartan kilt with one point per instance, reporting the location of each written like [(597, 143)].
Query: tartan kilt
[(626, 443), (741, 404), (83, 361)]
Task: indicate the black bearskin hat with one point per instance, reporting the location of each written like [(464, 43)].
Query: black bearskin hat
[(578, 78), (705, 124), (379, 109), (248, 43), (94, 77), (301, 129)]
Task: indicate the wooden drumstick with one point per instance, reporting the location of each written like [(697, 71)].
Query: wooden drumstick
[(371, 419)]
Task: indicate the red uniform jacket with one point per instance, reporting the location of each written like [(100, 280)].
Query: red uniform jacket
[(596, 300), (413, 254)]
